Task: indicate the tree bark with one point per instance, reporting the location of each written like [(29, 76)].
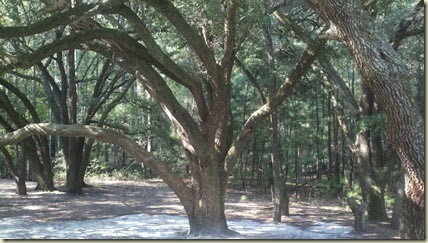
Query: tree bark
[(359, 211), (384, 73)]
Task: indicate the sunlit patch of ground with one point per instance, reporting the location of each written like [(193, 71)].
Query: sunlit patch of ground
[(144, 226), (107, 199)]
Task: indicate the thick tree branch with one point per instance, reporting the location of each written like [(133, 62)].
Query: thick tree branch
[(323, 60), (112, 36), (196, 41), (274, 102), (160, 91), (59, 19), (182, 77), (153, 48), (23, 98), (406, 23), (108, 136), (44, 24)]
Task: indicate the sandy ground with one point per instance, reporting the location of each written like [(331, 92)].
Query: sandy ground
[(107, 199)]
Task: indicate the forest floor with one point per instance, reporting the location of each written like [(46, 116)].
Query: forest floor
[(108, 199)]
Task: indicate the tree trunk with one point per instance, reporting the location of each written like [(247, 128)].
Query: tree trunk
[(336, 165), (285, 201), (254, 158), (276, 166), (412, 225), (207, 217), (318, 164), (329, 142), (296, 168), (276, 170), (385, 74), (398, 203), (43, 170), (75, 145), (106, 153), (376, 205), (18, 174), (359, 211)]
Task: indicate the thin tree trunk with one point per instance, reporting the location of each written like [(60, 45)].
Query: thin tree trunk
[(17, 174), (376, 205), (276, 169), (254, 158), (336, 165), (318, 163), (398, 203), (329, 139), (276, 164), (296, 168)]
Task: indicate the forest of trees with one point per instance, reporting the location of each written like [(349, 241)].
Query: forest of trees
[(231, 93)]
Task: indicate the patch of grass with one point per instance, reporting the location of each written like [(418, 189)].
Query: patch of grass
[(244, 198)]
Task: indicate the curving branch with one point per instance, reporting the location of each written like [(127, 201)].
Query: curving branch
[(44, 25), (74, 41), (160, 91), (282, 93), (181, 76), (29, 59), (160, 167), (196, 41), (22, 97), (153, 48), (406, 23), (323, 60), (60, 19)]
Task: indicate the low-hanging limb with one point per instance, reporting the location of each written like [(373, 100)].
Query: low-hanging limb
[(160, 167)]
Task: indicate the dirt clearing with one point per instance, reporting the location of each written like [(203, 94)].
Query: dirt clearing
[(108, 199)]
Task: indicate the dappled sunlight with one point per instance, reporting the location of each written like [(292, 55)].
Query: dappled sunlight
[(143, 226), (134, 209)]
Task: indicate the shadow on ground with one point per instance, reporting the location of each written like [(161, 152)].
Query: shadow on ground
[(106, 199)]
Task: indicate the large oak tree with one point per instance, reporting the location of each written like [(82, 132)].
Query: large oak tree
[(207, 139)]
